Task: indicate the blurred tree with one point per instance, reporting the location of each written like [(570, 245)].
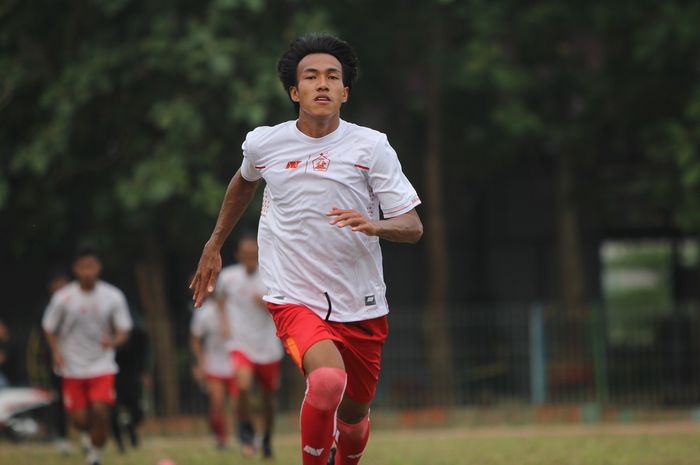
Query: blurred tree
[(121, 122)]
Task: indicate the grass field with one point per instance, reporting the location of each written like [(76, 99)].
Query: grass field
[(645, 444)]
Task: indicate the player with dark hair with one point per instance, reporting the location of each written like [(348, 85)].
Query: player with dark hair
[(320, 225), (84, 322), (255, 350)]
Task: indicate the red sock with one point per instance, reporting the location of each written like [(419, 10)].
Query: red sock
[(216, 422), (352, 439), (324, 390)]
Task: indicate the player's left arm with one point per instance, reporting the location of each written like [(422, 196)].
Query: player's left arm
[(406, 227), (121, 323), (115, 340)]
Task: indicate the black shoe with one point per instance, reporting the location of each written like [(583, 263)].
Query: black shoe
[(246, 435), (331, 457), (266, 446)]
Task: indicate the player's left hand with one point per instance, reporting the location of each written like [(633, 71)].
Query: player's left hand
[(354, 219), (107, 341)]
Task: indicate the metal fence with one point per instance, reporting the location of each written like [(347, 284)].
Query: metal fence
[(511, 353)]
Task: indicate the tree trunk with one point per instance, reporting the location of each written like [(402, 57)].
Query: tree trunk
[(436, 319), (149, 277), (570, 267)]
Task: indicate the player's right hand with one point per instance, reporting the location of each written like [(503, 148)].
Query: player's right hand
[(198, 374), (208, 269), (57, 361)]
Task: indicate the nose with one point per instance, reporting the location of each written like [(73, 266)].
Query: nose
[(322, 83)]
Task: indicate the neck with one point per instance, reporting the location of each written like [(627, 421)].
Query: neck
[(317, 126), (87, 286)]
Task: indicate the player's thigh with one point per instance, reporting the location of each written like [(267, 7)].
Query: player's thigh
[(362, 350), (268, 376), (75, 396), (244, 370), (322, 354), (100, 389)]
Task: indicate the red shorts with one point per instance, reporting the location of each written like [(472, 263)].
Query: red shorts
[(360, 344), (229, 382), (78, 393), (267, 374)]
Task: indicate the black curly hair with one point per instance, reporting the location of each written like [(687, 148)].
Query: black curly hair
[(316, 43)]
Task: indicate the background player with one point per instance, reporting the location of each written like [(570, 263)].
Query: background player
[(209, 339), (256, 350), (84, 322)]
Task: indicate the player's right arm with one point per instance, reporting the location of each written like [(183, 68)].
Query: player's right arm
[(198, 369), (56, 356), (49, 323), (238, 195)]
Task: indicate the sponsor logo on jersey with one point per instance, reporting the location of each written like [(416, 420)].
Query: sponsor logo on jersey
[(321, 163), (292, 164)]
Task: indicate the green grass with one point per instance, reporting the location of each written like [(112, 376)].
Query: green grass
[(527, 445)]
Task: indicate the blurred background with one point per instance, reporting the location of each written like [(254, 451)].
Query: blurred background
[(554, 145)]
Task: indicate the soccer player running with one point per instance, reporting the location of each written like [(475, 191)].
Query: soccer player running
[(319, 232), (84, 321), (256, 351), (210, 335)]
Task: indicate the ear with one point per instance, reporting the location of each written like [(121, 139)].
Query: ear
[(346, 94), (294, 94)]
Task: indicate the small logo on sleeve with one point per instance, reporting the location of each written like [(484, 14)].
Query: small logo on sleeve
[(370, 300), (292, 164)]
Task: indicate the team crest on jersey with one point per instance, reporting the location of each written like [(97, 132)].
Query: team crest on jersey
[(321, 163)]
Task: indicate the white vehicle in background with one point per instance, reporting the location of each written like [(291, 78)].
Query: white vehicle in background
[(20, 411)]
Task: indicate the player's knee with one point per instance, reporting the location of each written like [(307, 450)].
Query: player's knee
[(325, 387)]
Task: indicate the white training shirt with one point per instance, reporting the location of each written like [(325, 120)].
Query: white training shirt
[(206, 325), (80, 320), (252, 328), (336, 272)]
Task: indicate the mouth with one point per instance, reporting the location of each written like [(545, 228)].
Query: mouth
[(322, 99)]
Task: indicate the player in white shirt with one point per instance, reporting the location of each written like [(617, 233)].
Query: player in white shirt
[(326, 181), (83, 323), (210, 336), (256, 350)]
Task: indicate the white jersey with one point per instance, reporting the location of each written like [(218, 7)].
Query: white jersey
[(253, 331), (334, 271), (80, 319), (206, 324)]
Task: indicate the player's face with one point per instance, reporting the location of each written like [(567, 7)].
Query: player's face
[(319, 91), (247, 254), (87, 269)]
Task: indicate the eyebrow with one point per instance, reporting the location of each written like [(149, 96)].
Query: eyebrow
[(314, 70)]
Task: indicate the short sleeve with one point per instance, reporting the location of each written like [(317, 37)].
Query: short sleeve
[(121, 317), (248, 170), (395, 193), (52, 314)]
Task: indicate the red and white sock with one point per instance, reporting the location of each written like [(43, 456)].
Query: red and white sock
[(352, 439), (216, 422), (324, 391)]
